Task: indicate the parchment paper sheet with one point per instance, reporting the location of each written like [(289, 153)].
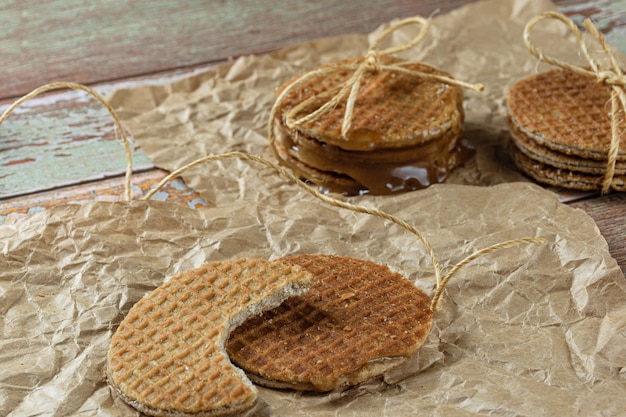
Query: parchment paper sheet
[(528, 331), (523, 332)]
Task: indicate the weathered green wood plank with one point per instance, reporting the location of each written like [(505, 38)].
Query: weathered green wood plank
[(63, 139), (12, 210), (95, 41), (608, 15)]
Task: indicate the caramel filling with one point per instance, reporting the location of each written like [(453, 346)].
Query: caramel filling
[(381, 171)]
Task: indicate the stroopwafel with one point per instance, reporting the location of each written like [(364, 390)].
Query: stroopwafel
[(167, 357), (405, 130), (357, 321), (561, 130)]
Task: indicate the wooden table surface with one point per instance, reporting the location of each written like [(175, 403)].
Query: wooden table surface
[(57, 148)]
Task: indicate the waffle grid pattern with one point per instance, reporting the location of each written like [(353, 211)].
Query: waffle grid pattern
[(356, 312), (566, 112), (392, 110), (168, 353)]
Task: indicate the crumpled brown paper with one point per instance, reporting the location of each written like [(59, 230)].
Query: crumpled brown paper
[(524, 331), (531, 330)]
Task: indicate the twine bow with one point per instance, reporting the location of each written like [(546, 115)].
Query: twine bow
[(371, 63), (610, 75)]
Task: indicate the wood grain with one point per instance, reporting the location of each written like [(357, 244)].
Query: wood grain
[(64, 140), (95, 41), (67, 138), (609, 213), (112, 189), (608, 15)]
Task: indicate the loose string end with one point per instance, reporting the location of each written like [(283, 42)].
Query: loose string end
[(436, 300)]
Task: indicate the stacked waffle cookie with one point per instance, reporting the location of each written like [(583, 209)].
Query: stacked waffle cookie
[(560, 124), (405, 130)]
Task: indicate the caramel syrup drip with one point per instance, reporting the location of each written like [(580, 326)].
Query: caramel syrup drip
[(381, 172)]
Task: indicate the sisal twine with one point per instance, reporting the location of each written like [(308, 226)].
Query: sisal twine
[(118, 124), (610, 75), (350, 88), (440, 281)]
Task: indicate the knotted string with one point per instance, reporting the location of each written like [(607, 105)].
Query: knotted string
[(371, 63), (610, 75)]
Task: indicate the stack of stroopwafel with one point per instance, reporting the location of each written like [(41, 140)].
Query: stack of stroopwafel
[(561, 130), (167, 357), (404, 134), (357, 321)]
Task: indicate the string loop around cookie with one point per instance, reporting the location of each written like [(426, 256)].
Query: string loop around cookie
[(609, 74), (350, 88), (118, 124), (441, 282)]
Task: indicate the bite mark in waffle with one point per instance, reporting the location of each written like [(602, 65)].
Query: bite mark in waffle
[(167, 357), (358, 320)]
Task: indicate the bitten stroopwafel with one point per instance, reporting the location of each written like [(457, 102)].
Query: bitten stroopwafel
[(167, 357), (357, 321), (399, 128), (565, 125)]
